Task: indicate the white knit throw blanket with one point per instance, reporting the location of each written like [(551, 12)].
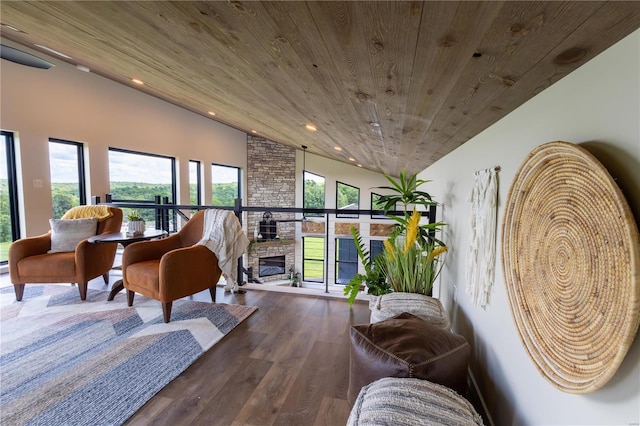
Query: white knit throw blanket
[(481, 255), (224, 236)]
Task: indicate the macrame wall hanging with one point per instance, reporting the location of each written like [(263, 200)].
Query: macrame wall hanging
[(481, 254)]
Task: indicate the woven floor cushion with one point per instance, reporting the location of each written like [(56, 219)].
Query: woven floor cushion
[(428, 308), (403, 401), (407, 346)]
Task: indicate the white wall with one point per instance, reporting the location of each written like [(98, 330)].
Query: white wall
[(66, 103), (598, 107)]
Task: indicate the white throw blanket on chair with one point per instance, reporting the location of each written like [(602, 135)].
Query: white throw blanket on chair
[(224, 236)]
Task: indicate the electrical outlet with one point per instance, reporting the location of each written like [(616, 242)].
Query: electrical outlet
[(37, 183)]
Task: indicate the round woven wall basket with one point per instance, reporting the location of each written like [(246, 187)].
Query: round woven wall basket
[(571, 263)]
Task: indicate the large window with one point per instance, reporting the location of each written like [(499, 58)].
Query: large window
[(9, 226), (377, 205), (195, 183), (140, 177), (313, 194), (376, 247), (66, 165), (225, 185), (313, 259), (347, 198), (346, 260)]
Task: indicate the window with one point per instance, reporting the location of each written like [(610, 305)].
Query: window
[(376, 247), (347, 198), (376, 205), (66, 165), (195, 184), (9, 225), (313, 259), (346, 260), (225, 185), (313, 196), (140, 177)]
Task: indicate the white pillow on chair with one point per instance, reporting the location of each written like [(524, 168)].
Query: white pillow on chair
[(67, 233)]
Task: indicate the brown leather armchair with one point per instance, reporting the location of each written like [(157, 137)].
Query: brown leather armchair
[(171, 268), (29, 261)]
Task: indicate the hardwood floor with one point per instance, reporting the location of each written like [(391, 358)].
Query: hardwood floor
[(287, 364)]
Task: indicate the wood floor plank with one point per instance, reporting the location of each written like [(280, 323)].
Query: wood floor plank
[(153, 412), (332, 412), (269, 396), (333, 328), (339, 376), (223, 406), (302, 404)]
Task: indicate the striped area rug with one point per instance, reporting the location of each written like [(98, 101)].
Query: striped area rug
[(70, 362)]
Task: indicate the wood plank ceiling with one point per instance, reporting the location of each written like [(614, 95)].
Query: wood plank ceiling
[(396, 85)]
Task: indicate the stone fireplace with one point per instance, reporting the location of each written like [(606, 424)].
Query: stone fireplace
[(271, 182)]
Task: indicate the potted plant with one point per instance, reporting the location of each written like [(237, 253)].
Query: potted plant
[(135, 224), (411, 259), (411, 266), (405, 192), (373, 278)]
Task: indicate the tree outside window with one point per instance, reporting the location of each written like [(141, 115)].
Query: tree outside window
[(66, 165), (225, 185), (347, 198), (141, 177), (313, 197)]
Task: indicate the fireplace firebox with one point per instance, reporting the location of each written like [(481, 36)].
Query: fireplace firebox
[(273, 265)]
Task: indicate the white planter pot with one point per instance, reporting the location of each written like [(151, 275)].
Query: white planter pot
[(425, 307), (136, 227)]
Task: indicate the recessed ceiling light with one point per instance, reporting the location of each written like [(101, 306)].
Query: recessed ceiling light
[(55, 52), (212, 113), (254, 131), (352, 159), (311, 127), (359, 165), (137, 81), (12, 28), (337, 148)]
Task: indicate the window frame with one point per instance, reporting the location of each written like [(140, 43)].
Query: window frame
[(12, 186), (82, 179), (239, 180), (322, 260), (148, 154), (164, 219), (304, 193), (372, 253), (337, 260), (377, 216), (346, 215), (198, 182)]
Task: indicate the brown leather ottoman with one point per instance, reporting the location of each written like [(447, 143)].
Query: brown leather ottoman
[(407, 346)]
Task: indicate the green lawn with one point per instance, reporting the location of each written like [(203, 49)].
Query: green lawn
[(313, 249)]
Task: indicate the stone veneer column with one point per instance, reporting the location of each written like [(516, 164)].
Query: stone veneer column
[(271, 182)]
